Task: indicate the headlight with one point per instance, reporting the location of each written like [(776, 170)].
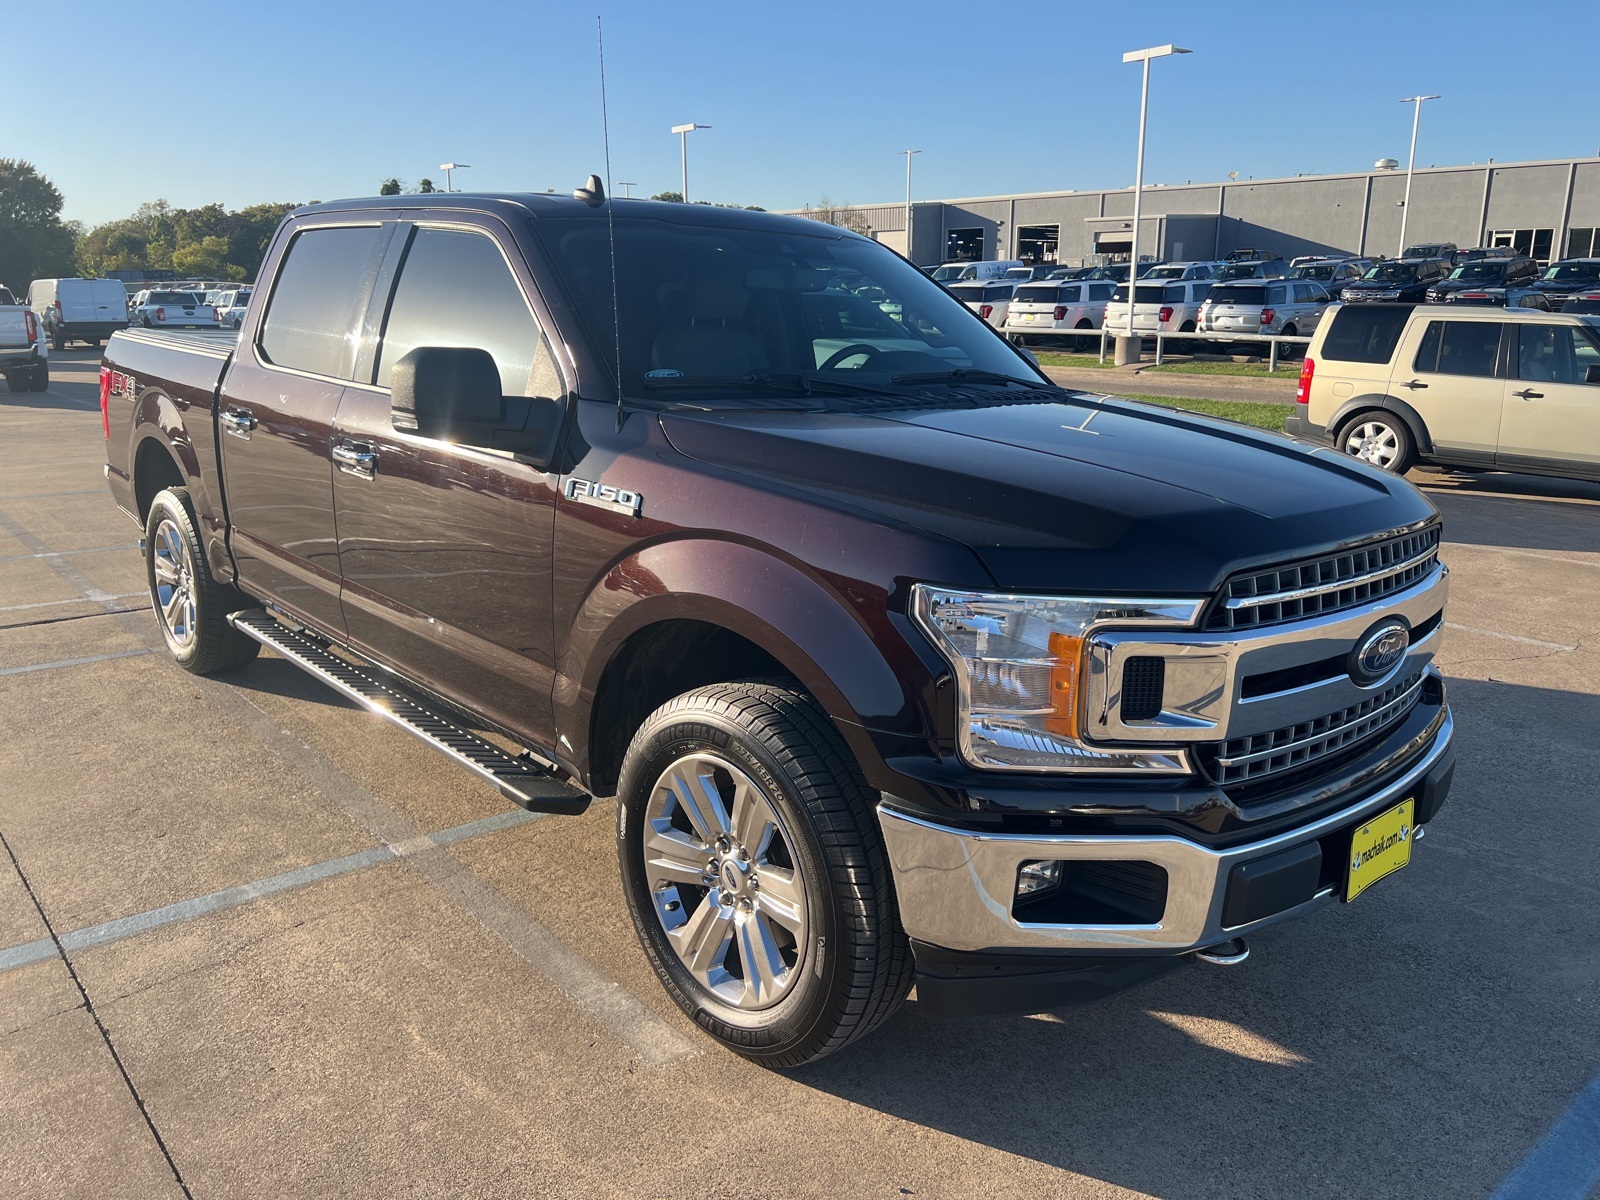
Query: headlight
[(1019, 664)]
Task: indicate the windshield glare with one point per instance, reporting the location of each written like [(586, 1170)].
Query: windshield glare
[(1479, 270), (1576, 270), (1392, 272), (726, 303)]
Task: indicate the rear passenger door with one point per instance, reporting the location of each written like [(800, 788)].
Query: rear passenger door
[(1552, 408), (275, 417), (1449, 372), (446, 549)]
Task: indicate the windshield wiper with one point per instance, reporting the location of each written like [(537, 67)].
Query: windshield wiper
[(966, 375)]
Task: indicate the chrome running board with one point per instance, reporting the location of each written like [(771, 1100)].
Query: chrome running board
[(521, 778)]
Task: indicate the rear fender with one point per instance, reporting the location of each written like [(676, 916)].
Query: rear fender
[(159, 422), (1370, 400)]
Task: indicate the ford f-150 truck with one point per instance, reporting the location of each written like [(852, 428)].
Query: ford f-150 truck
[(24, 354), (903, 664)]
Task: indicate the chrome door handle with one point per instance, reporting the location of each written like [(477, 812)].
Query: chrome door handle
[(356, 458), (1414, 385), (237, 421), (1528, 394)]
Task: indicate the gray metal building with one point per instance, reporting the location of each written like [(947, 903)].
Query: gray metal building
[(1548, 209)]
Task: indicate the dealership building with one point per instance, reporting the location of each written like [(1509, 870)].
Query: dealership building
[(1547, 209)]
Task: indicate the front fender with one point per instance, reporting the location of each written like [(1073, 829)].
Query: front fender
[(846, 650)]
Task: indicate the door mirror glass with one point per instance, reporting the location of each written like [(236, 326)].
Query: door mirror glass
[(1592, 374), (453, 393)]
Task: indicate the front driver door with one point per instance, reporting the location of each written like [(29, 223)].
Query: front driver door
[(1552, 411), (446, 549)]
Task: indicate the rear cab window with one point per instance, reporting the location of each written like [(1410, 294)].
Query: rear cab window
[(319, 298)]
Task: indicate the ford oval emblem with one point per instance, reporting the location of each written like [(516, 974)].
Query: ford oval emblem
[(1379, 651)]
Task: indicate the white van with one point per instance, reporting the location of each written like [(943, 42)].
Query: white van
[(967, 272), (84, 310)]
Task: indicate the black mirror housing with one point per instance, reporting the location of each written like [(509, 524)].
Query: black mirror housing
[(453, 393), (1592, 374)]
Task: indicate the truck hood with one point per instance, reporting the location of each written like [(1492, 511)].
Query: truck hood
[(1076, 493)]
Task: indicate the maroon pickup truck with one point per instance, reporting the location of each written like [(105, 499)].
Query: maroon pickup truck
[(903, 664)]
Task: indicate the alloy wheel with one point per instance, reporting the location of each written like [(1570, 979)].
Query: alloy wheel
[(174, 584), (724, 881), (1373, 442)]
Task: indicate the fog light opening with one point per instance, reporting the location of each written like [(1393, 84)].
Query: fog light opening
[(1038, 875)]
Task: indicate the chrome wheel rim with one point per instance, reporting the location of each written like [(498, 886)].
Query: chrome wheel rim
[(1374, 442), (174, 584), (725, 882)]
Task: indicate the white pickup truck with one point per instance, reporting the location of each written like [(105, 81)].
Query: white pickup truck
[(24, 354), (175, 310)]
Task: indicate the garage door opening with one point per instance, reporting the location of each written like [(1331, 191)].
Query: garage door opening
[(1038, 243), (963, 245), (1115, 247)]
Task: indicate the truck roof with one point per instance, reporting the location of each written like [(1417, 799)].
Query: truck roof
[(546, 205)]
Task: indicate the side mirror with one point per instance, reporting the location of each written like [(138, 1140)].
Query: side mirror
[(453, 393), (1592, 375)]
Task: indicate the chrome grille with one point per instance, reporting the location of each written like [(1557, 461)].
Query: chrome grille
[(1327, 584), (1259, 755)]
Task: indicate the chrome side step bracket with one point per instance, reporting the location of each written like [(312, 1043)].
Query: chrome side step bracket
[(521, 778)]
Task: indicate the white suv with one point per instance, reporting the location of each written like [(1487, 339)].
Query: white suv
[(1162, 307), (1058, 306), (1505, 389), (989, 300)]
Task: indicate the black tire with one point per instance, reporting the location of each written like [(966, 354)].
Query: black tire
[(1375, 429), (1288, 350), (93, 343), (58, 340), (214, 645), (39, 378), (16, 383), (857, 964)]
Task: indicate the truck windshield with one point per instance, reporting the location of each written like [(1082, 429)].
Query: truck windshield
[(721, 306), (1480, 270), (1570, 272), (1392, 272)]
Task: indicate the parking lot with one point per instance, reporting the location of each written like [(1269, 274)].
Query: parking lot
[(254, 942)]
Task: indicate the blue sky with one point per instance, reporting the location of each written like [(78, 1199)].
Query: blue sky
[(806, 98)]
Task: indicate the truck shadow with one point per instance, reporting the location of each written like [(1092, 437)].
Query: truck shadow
[(1415, 1043), (1515, 511)]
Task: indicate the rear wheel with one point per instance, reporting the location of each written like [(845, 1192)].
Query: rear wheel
[(755, 875), (16, 383), (39, 379), (1378, 438), (58, 340), (191, 607)]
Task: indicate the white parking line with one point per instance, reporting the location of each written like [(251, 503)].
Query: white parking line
[(1566, 1164), (64, 553), (1510, 637), (58, 603), (72, 662)]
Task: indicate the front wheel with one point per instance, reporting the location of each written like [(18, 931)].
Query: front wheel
[(1380, 439), (191, 607), (755, 874)]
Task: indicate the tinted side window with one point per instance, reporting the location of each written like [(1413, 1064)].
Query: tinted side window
[(1460, 348), (319, 299), (1362, 334), (1276, 295), (1069, 295), (455, 289)]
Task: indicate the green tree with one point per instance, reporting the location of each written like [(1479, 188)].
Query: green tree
[(391, 187), (672, 197), (34, 242), (205, 259), (425, 186)]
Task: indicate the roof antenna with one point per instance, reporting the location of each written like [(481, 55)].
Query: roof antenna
[(611, 220)]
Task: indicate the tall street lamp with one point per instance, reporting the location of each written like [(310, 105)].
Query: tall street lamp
[(627, 185), (447, 168), (908, 154), (1405, 205), (1142, 56), (683, 132)]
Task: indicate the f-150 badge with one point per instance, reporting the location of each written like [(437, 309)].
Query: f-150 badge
[(603, 495)]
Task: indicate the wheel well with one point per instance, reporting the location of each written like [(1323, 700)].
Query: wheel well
[(655, 664), (153, 471)]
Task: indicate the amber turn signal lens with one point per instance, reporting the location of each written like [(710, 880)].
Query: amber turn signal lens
[(1068, 654)]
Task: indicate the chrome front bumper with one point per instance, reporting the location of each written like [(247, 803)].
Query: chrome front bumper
[(956, 886)]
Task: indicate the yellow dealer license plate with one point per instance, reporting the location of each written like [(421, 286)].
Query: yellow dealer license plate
[(1379, 848)]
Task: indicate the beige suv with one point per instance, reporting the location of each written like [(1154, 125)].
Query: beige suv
[(1507, 389)]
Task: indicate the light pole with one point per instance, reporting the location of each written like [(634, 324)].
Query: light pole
[(1140, 56), (683, 132), (447, 168), (1405, 205), (628, 185), (908, 154)]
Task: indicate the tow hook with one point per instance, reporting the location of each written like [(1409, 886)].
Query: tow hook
[(1224, 954)]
